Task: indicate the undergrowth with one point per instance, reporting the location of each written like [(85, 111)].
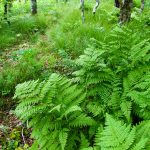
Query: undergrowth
[(98, 97), (103, 104)]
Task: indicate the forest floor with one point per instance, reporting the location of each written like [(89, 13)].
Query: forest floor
[(13, 132), (40, 53), (7, 54), (12, 129)]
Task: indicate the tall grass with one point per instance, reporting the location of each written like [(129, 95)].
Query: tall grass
[(73, 36), (65, 33)]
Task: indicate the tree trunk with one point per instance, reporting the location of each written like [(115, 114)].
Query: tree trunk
[(10, 5), (117, 3), (142, 4), (82, 10), (125, 11), (5, 10), (96, 6), (33, 7)]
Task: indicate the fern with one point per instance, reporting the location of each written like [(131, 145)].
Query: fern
[(84, 142), (96, 109), (126, 109), (117, 136), (111, 77), (143, 134), (63, 138), (140, 95), (59, 105)]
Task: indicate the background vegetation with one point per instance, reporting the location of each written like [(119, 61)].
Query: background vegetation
[(84, 85)]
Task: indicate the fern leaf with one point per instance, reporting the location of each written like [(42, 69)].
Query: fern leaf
[(71, 110), (141, 144), (143, 130), (84, 142), (126, 109), (116, 135), (82, 121), (63, 134)]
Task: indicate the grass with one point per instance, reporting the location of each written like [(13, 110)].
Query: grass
[(73, 36), (19, 63), (57, 29), (23, 26)]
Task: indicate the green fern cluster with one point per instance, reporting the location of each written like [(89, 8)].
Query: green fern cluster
[(117, 135), (105, 106), (54, 111)]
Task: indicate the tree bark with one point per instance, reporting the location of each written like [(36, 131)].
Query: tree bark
[(96, 6), (125, 11), (5, 10), (82, 10), (117, 3), (142, 4), (33, 7)]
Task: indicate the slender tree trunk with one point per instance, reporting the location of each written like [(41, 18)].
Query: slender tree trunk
[(82, 10), (5, 10), (142, 4), (117, 3), (10, 5), (96, 6), (125, 11), (33, 7)]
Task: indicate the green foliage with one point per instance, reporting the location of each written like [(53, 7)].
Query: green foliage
[(11, 139), (111, 76), (25, 66), (117, 135), (21, 28), (70, 25), (61, 106), (114, 75)]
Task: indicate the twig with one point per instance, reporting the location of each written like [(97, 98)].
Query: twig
[(23, 136)]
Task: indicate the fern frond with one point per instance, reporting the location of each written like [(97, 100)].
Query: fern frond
[(96, 109), (23, 90), (142, 135), (140, 145), (116, 135), (63, 138), (82, 121), (126, 109), (140, 94), (84, 142), (57, 104)]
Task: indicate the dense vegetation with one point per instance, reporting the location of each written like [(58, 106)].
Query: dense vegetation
[(75, 81)]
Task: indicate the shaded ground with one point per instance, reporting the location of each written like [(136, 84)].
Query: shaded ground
[(13, 133), (7, 55)]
